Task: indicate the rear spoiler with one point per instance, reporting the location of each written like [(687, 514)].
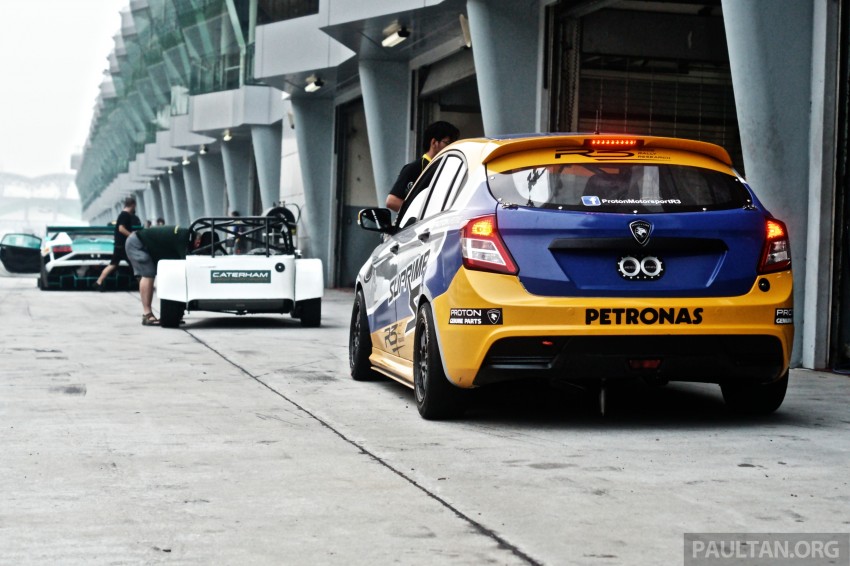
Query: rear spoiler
[(502, 147)]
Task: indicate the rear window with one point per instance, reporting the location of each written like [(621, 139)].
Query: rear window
[(619, 187)]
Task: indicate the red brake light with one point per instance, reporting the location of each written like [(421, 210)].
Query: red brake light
[(482, 247), (62, 250), (613, 142), (776, 254)]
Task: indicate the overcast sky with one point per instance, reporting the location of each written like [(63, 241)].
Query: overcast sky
[(52, 60)]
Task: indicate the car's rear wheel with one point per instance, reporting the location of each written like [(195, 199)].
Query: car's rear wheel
[(360, 342), (44, 279), (436, 398), (755, 398), (310, 312), (170, 313)]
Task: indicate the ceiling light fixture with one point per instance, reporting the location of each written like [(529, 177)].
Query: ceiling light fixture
[(314, 83), (464, 29), (204, 149), (185, 160), (170, 171), (227, 135), (395, 34)]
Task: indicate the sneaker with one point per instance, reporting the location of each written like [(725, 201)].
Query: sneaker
[(98, 287)]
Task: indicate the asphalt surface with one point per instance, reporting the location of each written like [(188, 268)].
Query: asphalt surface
[(242, 440)]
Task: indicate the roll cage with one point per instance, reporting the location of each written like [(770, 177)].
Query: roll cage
[(253, 235)]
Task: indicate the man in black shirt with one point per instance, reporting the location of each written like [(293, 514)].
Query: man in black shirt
[(437, 136), (125, 224)]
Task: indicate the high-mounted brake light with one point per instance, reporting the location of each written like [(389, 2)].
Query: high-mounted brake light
[(776, 254), (613, 142), (482, 247)]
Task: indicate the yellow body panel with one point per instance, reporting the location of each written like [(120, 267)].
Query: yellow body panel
[(464, 347)]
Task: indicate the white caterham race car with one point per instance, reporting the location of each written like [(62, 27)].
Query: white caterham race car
[(242, 265)]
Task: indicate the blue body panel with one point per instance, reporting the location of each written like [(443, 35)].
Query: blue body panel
[(733, 240)]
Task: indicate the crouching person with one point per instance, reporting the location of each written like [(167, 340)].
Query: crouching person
[(144, 249)]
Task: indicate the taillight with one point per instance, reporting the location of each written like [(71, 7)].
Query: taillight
[(61, 250), (776, 255), (482, 247)]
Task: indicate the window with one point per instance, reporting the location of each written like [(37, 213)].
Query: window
[(619, 187), (445, 181), (414, 202)]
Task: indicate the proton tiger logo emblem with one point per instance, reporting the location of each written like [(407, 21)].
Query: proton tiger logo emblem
[(494, 315), (640, 230)]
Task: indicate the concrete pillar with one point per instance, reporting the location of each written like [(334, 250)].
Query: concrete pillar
[(178, 198), (314, 130), (386, 99), (156, 202), (236, 156), (816, 332), (141, 210), (770, 54), (167, 204), (503, 32), (194, 191), (212, 181), (267, 153)]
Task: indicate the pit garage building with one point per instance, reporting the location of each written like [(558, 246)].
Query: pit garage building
[(211, 106)]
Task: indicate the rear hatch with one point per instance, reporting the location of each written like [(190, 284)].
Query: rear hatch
[(671, 224)]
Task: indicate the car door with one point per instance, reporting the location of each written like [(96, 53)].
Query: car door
[(21, 253), (419, 244)]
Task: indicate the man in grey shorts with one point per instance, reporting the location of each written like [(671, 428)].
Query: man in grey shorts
[(144, 249)]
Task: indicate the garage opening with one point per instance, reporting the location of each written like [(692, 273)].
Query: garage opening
[(659, 68)]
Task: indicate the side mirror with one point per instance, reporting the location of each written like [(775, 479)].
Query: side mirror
[(377, 220)]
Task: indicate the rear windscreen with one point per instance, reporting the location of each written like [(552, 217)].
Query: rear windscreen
[(619, 187)]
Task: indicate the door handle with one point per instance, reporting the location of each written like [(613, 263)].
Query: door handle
[(423, 237), (394, 248)]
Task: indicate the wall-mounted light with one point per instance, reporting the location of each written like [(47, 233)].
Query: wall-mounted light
[(227, 135), (185, 160), (314, 83), (394, 34), (204, 148)]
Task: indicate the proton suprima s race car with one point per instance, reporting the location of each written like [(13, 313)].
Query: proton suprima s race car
[(582, 258)]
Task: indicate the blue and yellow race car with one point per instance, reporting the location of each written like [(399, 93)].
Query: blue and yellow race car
[(582, 258)]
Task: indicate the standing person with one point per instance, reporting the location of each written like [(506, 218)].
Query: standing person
[(437, 136), (145, 248), (126, 223)]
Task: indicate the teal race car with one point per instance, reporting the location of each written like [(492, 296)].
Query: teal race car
[(72, 257)]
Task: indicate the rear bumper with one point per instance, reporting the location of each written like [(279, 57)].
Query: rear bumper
[(709, 358), (707, 339)]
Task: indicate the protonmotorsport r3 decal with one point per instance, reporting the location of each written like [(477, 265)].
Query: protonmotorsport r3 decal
[(241, 276), (475, 317), (646, 316)]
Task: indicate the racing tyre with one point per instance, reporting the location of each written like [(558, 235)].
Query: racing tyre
[(310, 312), (755, 399), (436, 397), (170, 313), (44, 280), (360, 342)]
